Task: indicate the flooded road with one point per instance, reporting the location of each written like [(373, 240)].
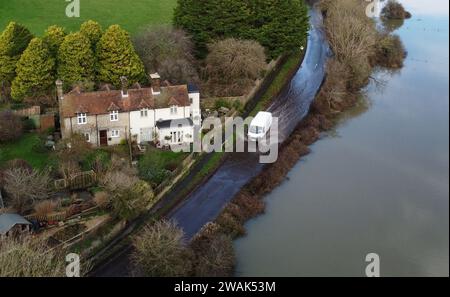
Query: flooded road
[(378, 184)]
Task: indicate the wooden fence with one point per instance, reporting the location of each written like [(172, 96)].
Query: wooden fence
[(77, 181), (26, 112)]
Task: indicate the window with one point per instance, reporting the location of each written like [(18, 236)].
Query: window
[(115, 133), (144, 113), (114, 116), (173, 109), (82, 118), (87, 137)]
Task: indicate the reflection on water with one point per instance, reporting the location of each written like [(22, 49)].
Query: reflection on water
[(381, 186)]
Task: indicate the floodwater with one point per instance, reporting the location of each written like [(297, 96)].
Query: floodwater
[(378, 184)]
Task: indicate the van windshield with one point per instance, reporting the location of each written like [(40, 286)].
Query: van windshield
[(256, 129)]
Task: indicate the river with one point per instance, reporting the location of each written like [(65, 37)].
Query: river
[(378, 184)]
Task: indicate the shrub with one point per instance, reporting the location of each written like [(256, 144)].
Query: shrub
[(216, 258), (101, 199), (160, 251), (395, 10), (129, 195), (28, 125), (222, 103), (45, 207), (390, 52), (230, 225), (233, 65), (11, 126)]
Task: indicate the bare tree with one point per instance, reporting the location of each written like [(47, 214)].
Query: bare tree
[(168, 51), (161, 252), (28, 258), (24, 188)]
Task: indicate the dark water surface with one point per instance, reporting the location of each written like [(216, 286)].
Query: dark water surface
[(379, 184)]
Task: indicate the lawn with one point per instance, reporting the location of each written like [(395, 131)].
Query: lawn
[(23, 149), (37, 15)]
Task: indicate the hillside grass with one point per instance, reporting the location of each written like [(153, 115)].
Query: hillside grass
[(37, 15)]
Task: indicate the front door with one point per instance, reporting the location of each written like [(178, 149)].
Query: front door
[(103, 137)]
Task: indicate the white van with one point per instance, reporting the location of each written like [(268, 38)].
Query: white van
[(260, 126)]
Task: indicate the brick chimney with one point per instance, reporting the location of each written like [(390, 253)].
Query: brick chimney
[(59, 89), (124, 82), (156, 83)]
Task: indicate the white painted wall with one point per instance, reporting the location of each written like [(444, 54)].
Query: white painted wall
[(137, 122)]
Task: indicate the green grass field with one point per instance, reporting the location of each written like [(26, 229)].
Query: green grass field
[(23, 149), (132, 15)]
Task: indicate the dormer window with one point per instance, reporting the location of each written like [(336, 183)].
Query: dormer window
[(144, 112), (82, 119), (114, 116), (173, 110)]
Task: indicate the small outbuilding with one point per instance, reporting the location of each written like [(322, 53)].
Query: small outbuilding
[(11, 223)]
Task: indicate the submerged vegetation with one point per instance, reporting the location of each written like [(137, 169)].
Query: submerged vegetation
[(395, 11)]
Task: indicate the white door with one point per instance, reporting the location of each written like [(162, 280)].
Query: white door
[(146, 135)]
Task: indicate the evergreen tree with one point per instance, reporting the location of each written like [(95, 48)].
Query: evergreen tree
[(54, 36), (285, 25), (13, 41), (35, 71), (76, 60), (93, 31), (117, 57), (280, 25)]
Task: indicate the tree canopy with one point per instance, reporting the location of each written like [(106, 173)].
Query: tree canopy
[(13, 41), (117, 57), (54, 37), (93, 31), (35, 71), (279, 25), (76, 60)]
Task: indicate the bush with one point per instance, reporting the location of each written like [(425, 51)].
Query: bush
[(395, 10), (45, 207), (222, 103), (28, 125), (129, 195), (11, 126), (101, 199), (214, 254), (97, 160), (390, 52), (160, 251), (232, 67)]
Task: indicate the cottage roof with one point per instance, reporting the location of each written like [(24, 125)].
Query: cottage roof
[(102, 102), (9, 220)]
